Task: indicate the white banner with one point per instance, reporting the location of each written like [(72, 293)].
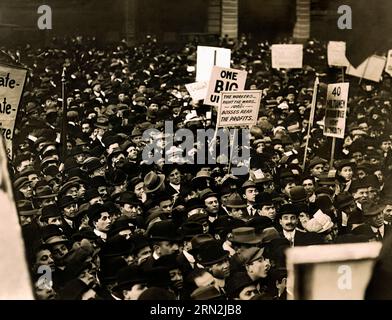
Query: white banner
[(11, 86), (240, 108), (371, 69), (197, 90), (336, 110), (207, 57), (287, 56), (223, 80), (388, 67), (337, 54)]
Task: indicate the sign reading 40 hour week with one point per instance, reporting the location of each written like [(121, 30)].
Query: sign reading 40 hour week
[(336, 110)]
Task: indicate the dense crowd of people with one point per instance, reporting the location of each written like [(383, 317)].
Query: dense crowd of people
[(111, 225)]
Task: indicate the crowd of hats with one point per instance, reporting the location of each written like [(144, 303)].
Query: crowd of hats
[(105, 219)]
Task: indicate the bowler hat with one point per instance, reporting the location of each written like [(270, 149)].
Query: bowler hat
[(259, 223), (237, 282), (298, 194), (50, 211), (286, 208), (315, 161), (128, 198), (25, 208), (235, 201), (44, 192), (340, 164), (21, 182), (191, 229), (206, 293), (343, 200), (65, 201), (370, 208), (121, 224), (244, 235), (197, 241), (164, 231), (251, 254), (129, 276), (211, 252), (207, 193), (153, 182)]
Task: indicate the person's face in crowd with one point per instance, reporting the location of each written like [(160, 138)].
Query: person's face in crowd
[(268, 211), (25, 220), (47, 202), (137, 140), (118, 161), (142, 89), (386, 145), (303, 218), (86, 128), (308, 185), (139, 190), (121, 97), (166, 206), (237, 213), (80, 158), (380, 176), (96, 200), (212, 205), (388, 213), (250, 194), (103, 192), (164, 248), (81, 190), (279, 147), (260, 147), (71, 211), (130, 210), (44, 258), (143, 254), (97, 88), (361, 173), (288, 187), (55, 220), (73, 192), (220, 270), (59, 251), (223, 198), (33, 178), (191, 195), (357, 156), (317, 170), (347, 173), (26, 190), (104, 222), (111, 147), (90, 294), (361, 195), (100, 172), (135, 292), (288, 222), (348, 141), (69, 146), (351, 208), (175, 177), (205, 280), (247, 293), (132, 153), (176, 278), (44, 290), (259, 268), (377, 221), (373, 194)]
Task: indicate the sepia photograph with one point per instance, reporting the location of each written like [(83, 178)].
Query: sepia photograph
[(202, 151)]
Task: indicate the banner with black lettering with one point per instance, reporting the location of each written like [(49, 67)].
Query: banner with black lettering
[(336, 110), (12, 80), (223, 79)]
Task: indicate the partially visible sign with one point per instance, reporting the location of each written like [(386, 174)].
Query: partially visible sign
[(337, 54), (330, 272), (240, 108), (371, 69), (224, 80), (207, 57), (336, 109), (388, 67), (197, 90), (287, 56), (11, 86)]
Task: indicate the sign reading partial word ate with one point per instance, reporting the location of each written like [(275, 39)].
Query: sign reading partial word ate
[(287, 56), (336, 109), (207, 57), (224, 80), (11, 86), (239, 108)]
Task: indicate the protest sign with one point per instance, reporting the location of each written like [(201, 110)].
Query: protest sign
[(388, 67), (223, 80), (287, 56), (12, 81), (337, 54), (371, 69), (207, 57), (197, 90), (330, 272), (240, 108), (336, 109)]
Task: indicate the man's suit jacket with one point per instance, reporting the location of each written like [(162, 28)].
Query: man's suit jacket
[(366, 229)]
